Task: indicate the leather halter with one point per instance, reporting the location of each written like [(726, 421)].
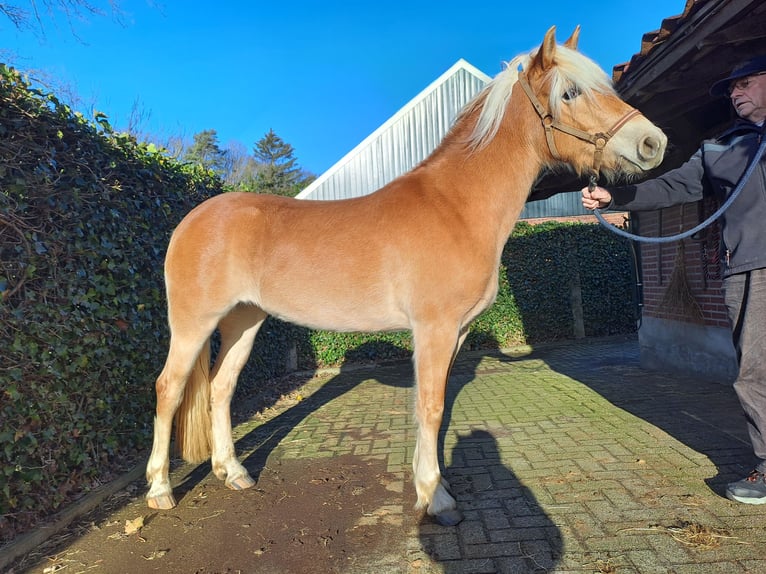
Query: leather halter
[(599, 140)]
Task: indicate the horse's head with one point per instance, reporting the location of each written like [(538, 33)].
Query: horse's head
[(575, 116)]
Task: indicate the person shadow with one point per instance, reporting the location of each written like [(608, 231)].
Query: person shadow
[(700, 412), (504, 527)]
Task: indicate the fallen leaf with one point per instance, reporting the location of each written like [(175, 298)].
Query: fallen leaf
[(154, 555), (134, 526)]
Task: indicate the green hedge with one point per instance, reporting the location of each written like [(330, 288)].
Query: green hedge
[(85, 215), (541, 263)]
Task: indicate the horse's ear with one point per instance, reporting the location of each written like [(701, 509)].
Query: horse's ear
[(544, 56), (573, 39)]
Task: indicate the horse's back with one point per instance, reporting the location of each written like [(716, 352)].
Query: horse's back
[(378, 262), (303, 261)]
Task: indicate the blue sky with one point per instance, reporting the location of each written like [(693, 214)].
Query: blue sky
[(322, 75)]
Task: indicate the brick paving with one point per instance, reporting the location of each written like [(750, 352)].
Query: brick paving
[(563, 458)]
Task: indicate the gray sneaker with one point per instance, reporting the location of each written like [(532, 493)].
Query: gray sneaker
[(749, 490)]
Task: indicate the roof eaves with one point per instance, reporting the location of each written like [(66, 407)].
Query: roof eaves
[(652, 42)]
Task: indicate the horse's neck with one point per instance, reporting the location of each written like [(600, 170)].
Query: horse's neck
[(491, 185)]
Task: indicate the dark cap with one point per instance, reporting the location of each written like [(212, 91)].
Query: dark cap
[(747, 68)]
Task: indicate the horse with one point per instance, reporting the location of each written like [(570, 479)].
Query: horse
[(421, 253)]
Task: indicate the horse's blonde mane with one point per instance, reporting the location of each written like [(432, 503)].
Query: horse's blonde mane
[(570, 69)]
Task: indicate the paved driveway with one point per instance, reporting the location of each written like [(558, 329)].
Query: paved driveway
[(563, 458)]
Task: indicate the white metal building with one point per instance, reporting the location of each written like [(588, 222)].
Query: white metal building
[(409, 136)]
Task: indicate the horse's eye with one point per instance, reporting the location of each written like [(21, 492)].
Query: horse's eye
[(571, 93)]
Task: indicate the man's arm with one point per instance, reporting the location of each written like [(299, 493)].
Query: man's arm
[(684, 184)]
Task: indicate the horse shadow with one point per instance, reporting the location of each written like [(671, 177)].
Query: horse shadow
[(497, 508), (504, 523), (501, 515)]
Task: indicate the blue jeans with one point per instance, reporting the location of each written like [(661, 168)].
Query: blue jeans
[(745, 295)]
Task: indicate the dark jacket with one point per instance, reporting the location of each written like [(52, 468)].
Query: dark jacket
[(715, 168)]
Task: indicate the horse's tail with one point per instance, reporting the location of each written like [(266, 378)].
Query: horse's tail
[(193, 424)]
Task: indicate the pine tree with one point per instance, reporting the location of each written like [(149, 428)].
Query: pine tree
[(278, 171), (206, 152)]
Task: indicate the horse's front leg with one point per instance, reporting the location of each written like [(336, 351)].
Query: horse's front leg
[(238, 330), (434, 353)]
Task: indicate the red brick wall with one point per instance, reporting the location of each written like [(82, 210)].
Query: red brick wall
[(614, 217), (658, 261), (700, 260)]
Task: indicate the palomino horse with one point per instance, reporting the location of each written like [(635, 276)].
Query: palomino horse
[(421, 253)]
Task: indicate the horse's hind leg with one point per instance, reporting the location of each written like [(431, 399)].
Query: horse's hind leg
[(181, 359), (435, 350), (238, 330)]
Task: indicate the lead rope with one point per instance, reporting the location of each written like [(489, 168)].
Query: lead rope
[(689, 232)]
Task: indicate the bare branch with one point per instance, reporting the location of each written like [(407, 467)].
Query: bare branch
[(18, 16), (39, 12)]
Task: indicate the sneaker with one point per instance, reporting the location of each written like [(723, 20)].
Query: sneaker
[(749, 490)]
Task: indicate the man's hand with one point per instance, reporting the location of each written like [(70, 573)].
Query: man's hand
[(598, 198)]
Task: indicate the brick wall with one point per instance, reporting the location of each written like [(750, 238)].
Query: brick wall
[(658, 260), (614, 217), (700, 259)]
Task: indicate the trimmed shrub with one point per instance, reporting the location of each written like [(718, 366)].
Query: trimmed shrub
[(85, 215)]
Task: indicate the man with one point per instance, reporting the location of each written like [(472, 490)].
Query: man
[(715, 169)]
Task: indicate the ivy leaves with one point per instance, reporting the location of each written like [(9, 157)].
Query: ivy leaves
[(85, 215)]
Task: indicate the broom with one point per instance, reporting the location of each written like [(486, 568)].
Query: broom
[(678, 295)]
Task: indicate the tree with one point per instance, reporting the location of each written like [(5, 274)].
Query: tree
[(278, 171), (206, 152), (242, 168), (31, 17)]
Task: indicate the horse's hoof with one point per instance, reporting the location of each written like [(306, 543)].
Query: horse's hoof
[(164, 502), (241, 483), (449, 517)]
